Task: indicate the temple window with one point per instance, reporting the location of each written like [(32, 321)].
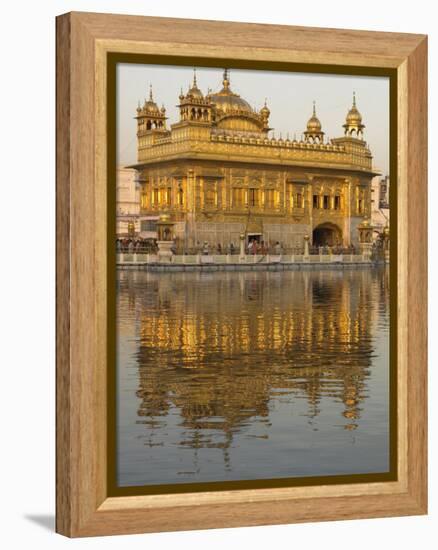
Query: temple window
[(337, 202), (326, 202), (253, 197), (299, 200), (210, 196), (360, 208), (315, 201)]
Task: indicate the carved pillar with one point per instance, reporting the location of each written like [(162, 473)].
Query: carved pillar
[(365, 230)]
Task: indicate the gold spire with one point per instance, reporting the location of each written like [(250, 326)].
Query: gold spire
[(194, 78), (226, 80), (354, 99), (150, 93), (314, 108)]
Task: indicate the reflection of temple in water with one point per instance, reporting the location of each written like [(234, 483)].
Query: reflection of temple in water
[(221, 348)]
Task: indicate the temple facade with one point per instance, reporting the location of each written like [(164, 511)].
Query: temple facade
[(218, 173)]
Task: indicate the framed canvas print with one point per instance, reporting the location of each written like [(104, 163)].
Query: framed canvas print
[(241, 274)]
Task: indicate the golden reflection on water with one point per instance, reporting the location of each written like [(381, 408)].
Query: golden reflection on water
[(218, 350)]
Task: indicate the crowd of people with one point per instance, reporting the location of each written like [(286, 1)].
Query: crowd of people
[(137, 245)]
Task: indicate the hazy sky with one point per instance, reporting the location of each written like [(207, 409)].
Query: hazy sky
[(289, 97)]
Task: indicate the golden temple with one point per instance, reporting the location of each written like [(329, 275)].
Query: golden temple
[(218, 173)]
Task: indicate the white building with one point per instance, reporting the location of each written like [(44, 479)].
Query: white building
[(127, 203), (379, 203)]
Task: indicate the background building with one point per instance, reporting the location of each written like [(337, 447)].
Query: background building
[(127, 203), (218, 173), (380, 203)]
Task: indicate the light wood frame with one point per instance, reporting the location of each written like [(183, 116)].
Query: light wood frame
[(83, 41)]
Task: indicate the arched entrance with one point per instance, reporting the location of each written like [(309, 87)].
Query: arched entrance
[(327, 234)]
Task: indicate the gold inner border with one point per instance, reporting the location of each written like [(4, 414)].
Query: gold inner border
[(113, 490)]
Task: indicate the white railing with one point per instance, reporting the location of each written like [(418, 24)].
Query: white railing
[(247, 259)]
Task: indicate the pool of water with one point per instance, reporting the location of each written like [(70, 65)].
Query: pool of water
[(249, 375)]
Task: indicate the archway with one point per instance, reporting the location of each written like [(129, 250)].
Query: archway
[(327, 234)]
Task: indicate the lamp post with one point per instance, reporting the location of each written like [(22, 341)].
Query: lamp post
[(365, 238), (165, 238), (242, 247), (131, 229), (306, 245)]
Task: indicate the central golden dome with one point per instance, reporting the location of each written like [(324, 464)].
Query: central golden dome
[(232, 114), (228, 101)]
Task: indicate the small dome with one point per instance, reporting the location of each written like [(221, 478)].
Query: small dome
[(314, 125), (353, 115), (150, 106), (353, 122), (194, 91), (264, 111)]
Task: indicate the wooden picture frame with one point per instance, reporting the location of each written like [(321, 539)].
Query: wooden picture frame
[(84, 43)]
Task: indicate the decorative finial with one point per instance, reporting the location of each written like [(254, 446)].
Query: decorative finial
[(226, 80), (266, 101), (314, 108), (354, 99), (194, 77), (150, 92)]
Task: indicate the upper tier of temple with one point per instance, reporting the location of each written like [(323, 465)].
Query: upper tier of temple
[(223, 124)]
